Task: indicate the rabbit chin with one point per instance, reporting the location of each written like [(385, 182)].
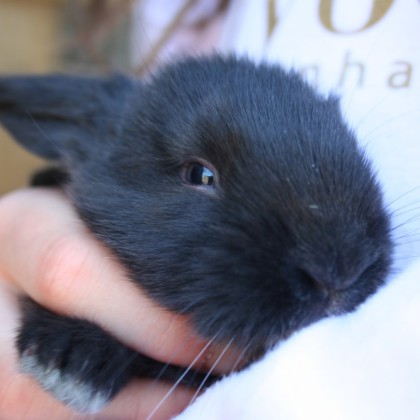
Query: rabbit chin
[(336, 303), (340, 303)]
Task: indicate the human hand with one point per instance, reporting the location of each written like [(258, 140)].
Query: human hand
[(48, 255)]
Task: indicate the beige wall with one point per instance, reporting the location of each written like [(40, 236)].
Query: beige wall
[(27, 33), (39, 36)]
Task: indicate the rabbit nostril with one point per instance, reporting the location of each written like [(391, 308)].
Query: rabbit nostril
[(313, 282), (326, 282)]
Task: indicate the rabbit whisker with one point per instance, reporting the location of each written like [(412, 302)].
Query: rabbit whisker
[(211, 370), (406, 222), (173, 387)]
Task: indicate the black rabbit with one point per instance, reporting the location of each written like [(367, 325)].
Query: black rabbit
[(232, 192)]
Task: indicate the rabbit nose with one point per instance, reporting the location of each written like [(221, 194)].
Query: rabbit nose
[(327, 282)]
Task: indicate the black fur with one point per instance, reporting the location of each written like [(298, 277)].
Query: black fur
[(83, 350), (293, 230)]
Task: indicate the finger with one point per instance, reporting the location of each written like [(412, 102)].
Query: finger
[(22, 398), (48, 254), (141, 398)]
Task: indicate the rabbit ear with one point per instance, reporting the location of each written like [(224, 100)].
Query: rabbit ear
[(56, 116)]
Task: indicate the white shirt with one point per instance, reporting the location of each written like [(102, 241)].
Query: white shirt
[(368, 52)]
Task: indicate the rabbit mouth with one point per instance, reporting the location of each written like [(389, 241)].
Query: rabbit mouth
[(343, 301), (336, 305)]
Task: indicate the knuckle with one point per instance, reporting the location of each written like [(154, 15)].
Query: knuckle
[(60, 265)]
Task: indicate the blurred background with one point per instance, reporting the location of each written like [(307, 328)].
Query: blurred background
[(41, 36), (96, 36)]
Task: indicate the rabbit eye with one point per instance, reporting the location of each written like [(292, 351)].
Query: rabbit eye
[(198, 174)]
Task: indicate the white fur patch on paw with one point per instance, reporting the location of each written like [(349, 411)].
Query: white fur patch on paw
[(65, 387)]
